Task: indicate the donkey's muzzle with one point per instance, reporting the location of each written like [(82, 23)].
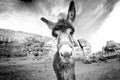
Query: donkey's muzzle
[(66, 52), (66, 57)]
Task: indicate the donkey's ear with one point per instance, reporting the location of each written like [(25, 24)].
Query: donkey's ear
[(71, 12), (50, 24)]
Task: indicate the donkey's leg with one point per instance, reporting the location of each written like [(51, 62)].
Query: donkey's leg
[(59, 75), (57, 70)]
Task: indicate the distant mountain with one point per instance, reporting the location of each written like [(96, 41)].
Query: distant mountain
[(10, 35)]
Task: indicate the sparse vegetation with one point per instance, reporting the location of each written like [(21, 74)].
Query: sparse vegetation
[(5, 49)]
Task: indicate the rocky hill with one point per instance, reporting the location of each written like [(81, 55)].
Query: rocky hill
[(17, 43)]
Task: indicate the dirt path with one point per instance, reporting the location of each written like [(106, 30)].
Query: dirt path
[(20, 69)]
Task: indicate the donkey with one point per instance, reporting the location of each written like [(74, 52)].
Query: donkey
[(63, 62)]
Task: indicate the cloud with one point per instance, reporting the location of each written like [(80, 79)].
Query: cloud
[(25, 15), (92, 17)]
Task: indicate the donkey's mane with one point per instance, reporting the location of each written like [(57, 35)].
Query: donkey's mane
[(62, 25)]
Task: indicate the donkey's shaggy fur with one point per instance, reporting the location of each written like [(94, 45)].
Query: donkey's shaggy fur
[(64, 71)]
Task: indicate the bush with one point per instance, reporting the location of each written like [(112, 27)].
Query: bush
[(5, 50)]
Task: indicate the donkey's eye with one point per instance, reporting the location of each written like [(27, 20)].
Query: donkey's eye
[(57, 32), (68, 31)]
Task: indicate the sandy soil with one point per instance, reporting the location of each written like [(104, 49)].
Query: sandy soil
[(22, 69)]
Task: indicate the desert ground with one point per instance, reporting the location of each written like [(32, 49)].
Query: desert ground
[(27, 69)]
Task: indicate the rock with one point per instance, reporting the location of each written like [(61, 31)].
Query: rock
[(86, 48)]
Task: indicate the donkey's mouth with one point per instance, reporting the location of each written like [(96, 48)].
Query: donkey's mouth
[(67, 64), (69, 61)]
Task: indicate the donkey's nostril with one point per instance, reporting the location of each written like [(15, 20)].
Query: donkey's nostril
[(66, 54), (71, 54)]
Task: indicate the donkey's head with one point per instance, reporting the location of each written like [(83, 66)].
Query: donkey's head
[(63, 31)]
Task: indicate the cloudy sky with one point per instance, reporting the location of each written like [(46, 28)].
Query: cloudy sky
[(93, 17)]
